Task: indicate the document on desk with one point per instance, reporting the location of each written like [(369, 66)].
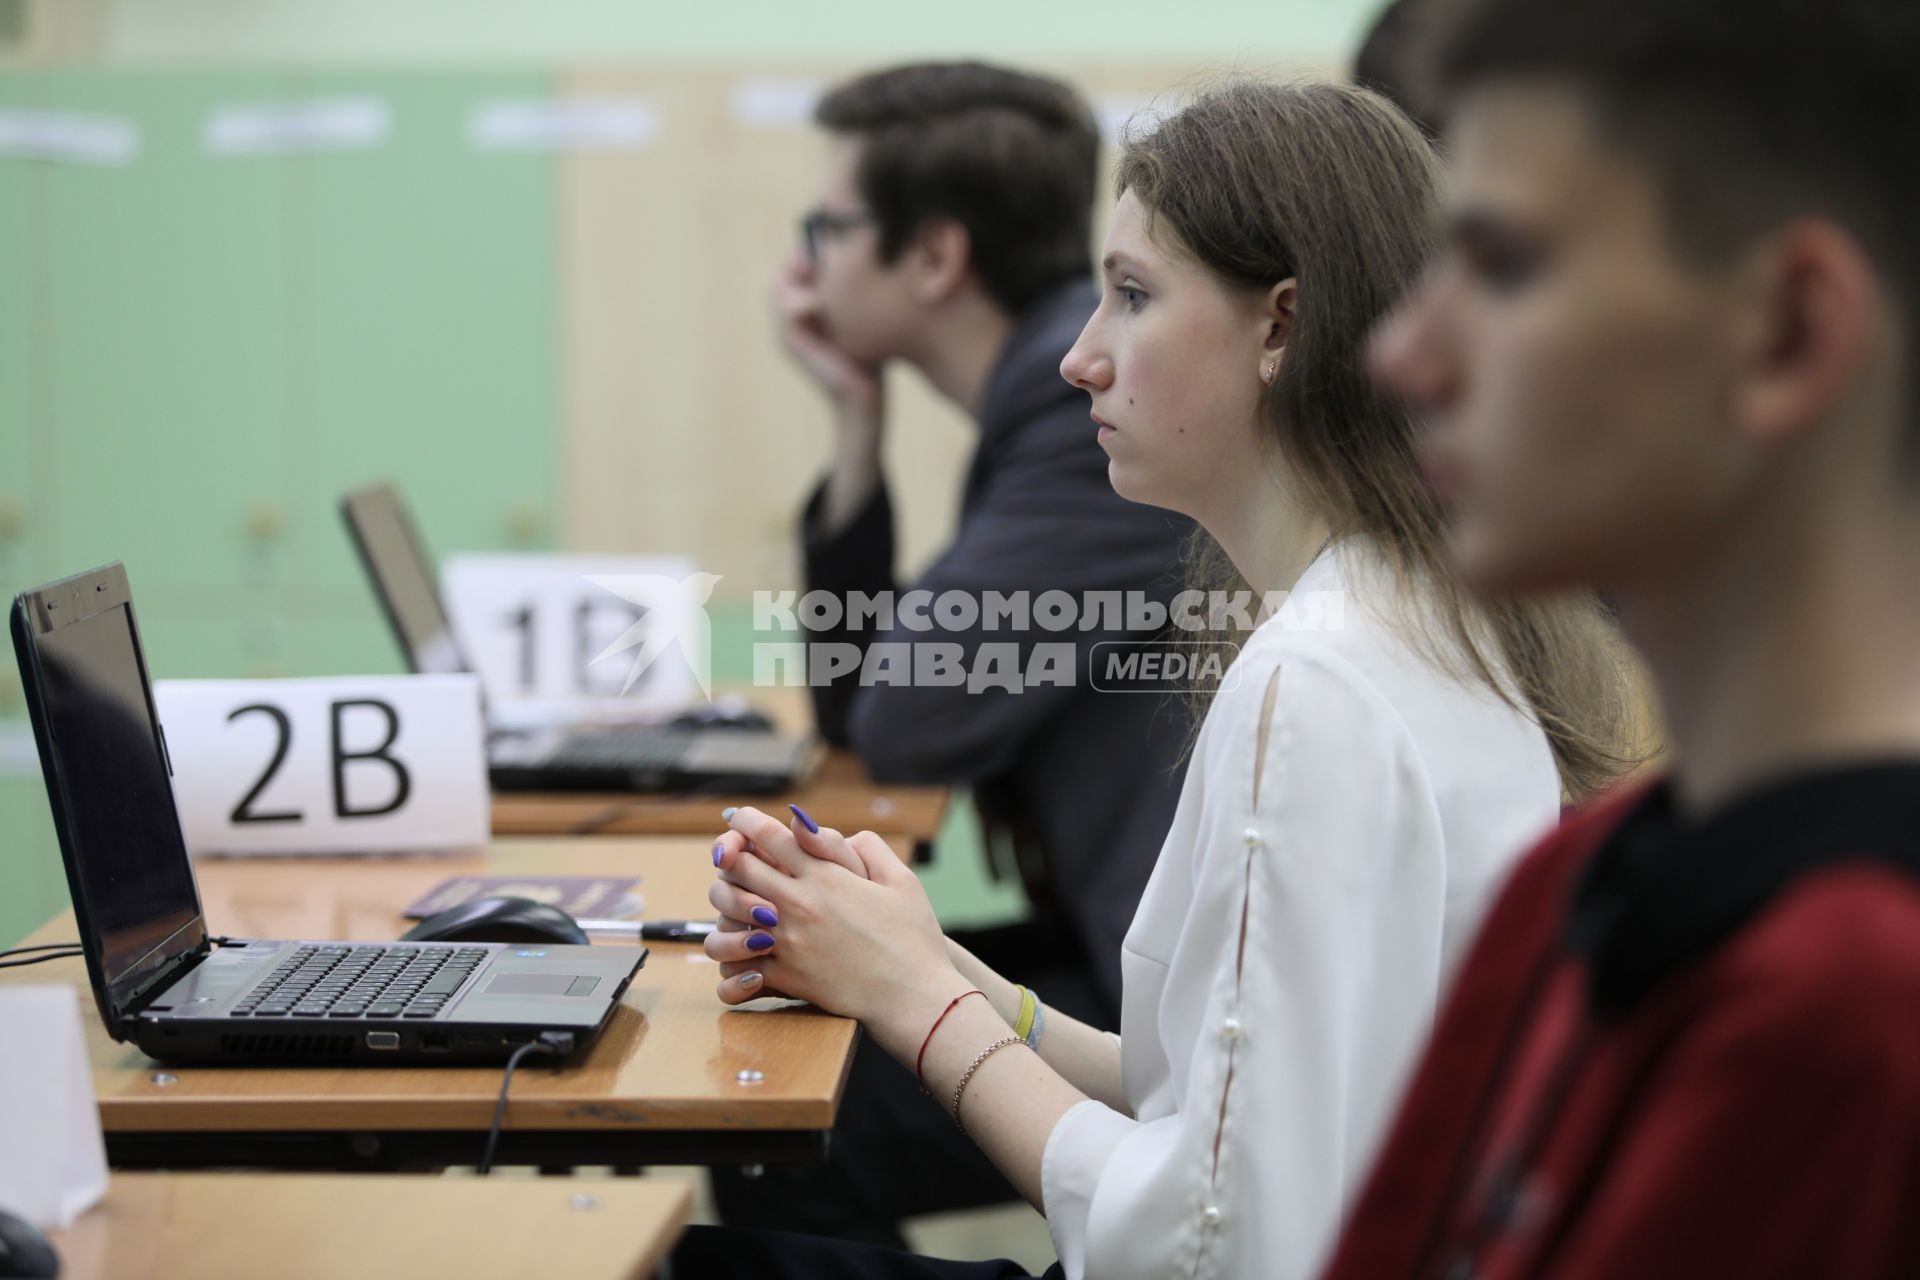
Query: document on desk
[(53, 1164), (575, 895)]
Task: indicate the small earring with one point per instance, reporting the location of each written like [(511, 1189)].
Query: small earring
[(1267, 371)]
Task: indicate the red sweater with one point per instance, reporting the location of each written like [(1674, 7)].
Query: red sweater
[(1716, 1074)]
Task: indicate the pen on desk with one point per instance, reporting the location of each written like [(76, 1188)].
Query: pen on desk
[(652, 930)]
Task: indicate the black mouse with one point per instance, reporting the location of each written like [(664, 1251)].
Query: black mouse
[(24, 1251), (498, 920)]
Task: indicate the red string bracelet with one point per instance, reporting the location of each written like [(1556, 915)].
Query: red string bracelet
[(921, 1059)]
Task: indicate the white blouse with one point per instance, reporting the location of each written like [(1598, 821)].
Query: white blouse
[(1287, 958)]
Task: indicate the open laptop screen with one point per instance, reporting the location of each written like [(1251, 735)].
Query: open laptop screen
[(402, 579), (107, 777)]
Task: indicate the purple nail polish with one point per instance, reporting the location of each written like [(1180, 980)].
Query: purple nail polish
[(759, 941), (805, 821), (765, 916), (718, 849)]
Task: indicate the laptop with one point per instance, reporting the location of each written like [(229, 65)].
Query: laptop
[(630, 757), (180, 994)]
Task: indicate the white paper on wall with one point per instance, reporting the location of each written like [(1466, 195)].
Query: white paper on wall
[(329, 124), (768, 102), (599, 124), (69, 136)]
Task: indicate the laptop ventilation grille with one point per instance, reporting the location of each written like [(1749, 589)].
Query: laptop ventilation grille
[(288, 1045)]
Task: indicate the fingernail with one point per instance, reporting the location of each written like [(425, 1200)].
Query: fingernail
[(718, 849), (751, 979), (759, 941), (765, 916), (805, 821), (726, 814)]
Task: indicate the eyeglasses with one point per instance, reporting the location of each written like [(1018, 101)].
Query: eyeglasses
[(820, 222)]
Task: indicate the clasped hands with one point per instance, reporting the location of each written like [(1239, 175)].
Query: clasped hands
[(839, 921)]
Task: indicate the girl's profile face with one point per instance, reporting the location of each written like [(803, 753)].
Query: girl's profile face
[(1172, 358)]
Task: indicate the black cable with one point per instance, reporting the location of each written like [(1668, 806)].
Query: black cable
[(67, 950), (57, 955), (54, 950), (551, 1043)]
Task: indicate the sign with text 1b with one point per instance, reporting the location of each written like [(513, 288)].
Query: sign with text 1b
[(353, 764), (566, 636)]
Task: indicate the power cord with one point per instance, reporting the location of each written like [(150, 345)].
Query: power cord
[(553, 1044), (65, 950), (54, 950)]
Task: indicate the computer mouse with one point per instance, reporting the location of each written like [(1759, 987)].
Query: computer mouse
[(498, 920), (23, 1251)]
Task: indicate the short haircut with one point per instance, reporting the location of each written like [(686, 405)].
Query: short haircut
[(1390, 60), (1748, 112), (1013, 158)]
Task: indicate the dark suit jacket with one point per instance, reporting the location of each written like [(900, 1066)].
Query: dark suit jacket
[(1084, 778)]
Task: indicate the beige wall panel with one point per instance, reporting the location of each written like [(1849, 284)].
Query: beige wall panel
[(53, 32), (682, 424), (630, 268)]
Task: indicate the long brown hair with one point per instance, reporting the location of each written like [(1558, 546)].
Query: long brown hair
[(1332, 186)]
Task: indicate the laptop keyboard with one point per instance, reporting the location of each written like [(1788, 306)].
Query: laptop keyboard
[(618, 751), (361, 982)]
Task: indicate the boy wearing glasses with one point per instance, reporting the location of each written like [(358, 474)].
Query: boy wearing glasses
[(953, 234)]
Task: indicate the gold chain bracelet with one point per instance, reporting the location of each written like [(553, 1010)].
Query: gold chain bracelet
[(967, 1079)]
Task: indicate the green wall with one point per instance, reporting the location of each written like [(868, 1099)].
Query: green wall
[(1079, 32), (198, 353)]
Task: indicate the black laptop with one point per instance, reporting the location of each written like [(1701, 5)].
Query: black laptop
[(640, 757), (179, 994)]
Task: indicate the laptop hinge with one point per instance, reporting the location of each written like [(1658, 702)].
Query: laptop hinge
[(162, 978)]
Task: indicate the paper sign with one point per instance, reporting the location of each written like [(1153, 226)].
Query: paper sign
[(328, 124), (604, 124), (558, 636), (64, 135), (367, 764), (53, 1164)]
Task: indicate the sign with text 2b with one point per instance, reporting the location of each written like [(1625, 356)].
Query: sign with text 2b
[(352, 764), (560, 636)]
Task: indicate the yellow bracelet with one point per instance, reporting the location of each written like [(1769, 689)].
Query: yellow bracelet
[(1023, 1025)]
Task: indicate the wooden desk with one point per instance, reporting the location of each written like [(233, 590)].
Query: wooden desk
[(676, 1078), (839, 795), (209, 1226)]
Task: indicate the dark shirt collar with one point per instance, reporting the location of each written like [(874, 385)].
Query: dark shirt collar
[(1662, 889), (1028, 369)]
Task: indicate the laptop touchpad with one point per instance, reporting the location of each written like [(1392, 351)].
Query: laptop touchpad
[(530, 984)]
